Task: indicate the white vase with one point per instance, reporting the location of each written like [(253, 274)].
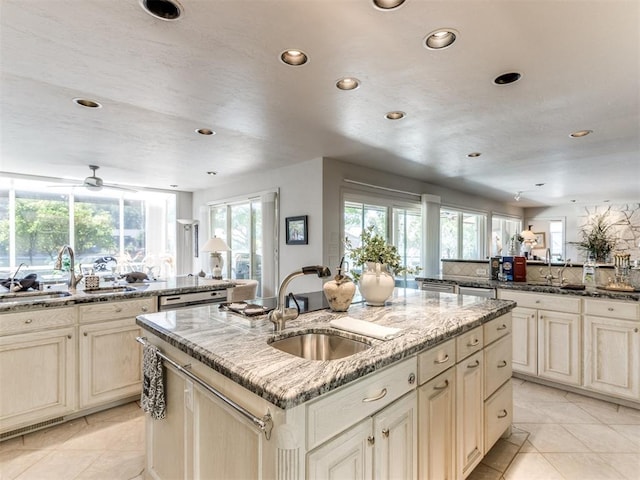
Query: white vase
[(376, 284)]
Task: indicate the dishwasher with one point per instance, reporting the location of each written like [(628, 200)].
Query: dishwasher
[(438, 287), (487, 292), (183, 300)]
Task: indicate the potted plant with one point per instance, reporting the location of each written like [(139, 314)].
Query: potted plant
[(380, 262), (598, 238)]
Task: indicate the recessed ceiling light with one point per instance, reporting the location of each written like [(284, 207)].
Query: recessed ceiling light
[(507, 78), (473, 154), (580, 133), (212, 173), (387, 4), (294, 57), (84, 102), (205, 131), (173, 186), (441, 38), (348, 83), (397, 115), (163, 9)]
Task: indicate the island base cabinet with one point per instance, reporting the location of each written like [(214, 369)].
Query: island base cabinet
[(37, 377), (498, 415), (385, 444)]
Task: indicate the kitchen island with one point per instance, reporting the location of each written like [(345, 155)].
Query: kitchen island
[(371, 411)]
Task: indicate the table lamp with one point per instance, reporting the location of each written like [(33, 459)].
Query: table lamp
[(215, 245), (529, 240)]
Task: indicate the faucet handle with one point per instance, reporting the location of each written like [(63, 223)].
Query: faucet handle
[(293, 297)]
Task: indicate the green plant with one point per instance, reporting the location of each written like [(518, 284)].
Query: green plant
[(598, 237), (374, 248)]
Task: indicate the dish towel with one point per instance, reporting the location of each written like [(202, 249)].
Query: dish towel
[(153, 400), (365, 328)]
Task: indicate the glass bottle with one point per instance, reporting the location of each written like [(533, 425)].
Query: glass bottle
[(589, 272)]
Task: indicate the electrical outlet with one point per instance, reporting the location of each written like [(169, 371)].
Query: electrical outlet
[(481, 271)]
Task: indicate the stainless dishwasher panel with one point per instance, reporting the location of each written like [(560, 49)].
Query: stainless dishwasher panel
[(181, 300), (438, 287), (478, 291)]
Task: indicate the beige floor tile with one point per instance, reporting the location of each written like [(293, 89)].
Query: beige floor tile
[(484, 472), (12, 444), (627, 464), (534, 392), (527, 447), (549, 412), (518, 436), (577, 398), (122, 413), (53, 437), (553, 438), (115, 465), (500, 455), (582, 466), (531, 466), (601, 438), (60, 465), (619, 416), (109, 436), (630, 432), (14, 462), (517, 381)]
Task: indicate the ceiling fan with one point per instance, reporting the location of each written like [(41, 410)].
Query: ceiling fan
[(95, 183)]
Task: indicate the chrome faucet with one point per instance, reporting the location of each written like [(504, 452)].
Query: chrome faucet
[(567, 263), (549, 276), (73, 278), (13, 285), (281, 313)]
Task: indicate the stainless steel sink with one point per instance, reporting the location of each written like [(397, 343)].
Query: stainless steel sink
[(319, 346), (31, 296), (110, 290)]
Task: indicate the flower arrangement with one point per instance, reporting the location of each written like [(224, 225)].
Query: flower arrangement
[(598, 237), (374, 248)]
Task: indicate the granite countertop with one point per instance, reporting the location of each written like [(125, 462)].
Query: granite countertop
[(482, 282), (239, 349), (173, 286)]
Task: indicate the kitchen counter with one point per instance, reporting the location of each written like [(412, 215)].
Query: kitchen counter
[(239, 350), (482, 282), (176, 285)]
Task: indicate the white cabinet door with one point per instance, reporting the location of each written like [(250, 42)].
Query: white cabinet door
[(525, 340), (348, 456), (559, 347), (396, 434), (612, 356), (436, 427), (469, 413), (110, 362), (37, 377)]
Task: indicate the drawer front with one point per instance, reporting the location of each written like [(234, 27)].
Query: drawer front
[(436, 360), (612, 309), (469, 343), (497, 365), (498, 415), (101, 311), (497, 328), (37, 320), (335, 412), (545, 301)]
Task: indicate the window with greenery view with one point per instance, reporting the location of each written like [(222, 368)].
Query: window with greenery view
[(462, 234)]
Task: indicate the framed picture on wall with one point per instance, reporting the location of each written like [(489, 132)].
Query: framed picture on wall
[(539, 240), (297, 233)]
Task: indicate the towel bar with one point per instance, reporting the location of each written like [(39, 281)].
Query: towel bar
[(265, 423)]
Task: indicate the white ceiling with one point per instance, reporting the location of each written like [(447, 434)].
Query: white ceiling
[(218, 67)]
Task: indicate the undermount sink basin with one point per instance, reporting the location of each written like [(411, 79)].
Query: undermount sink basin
[(319, 346), (31, 296), (110, 290)]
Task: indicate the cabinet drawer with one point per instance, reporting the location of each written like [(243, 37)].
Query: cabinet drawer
[(37, 320), (498, 415), (496, 328), (436, 360), (468, 343), (332, 414), (497, 365), (545, 301), (101, 311), (612, 308)]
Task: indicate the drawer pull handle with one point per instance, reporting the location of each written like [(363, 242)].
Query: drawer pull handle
[(28, 320), (502, 327), (474, 343), (144, 309), (502, 364), (442, 387), (635, 330), (385, 432), (475, 365), (537, 301), (444, 360), (503, 414), (371, 440), (382, 394), (118, 309), (610, 309)]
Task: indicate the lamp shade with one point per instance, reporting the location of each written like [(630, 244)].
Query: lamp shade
[(215, 244), (528, 235)]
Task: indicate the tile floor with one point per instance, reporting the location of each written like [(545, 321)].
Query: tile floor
[(556, 435)]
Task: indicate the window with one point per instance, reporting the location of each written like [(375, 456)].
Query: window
[(556, 238), (502, 229), (401, 225), (37, 219), (462, 234)]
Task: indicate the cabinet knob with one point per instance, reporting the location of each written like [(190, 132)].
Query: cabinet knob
[(380, 396), (28, 320), (635, 329), (412, 378), (69, 337), (371, 440), (118, 309), (444, 360), (385, 432), (537, 301), (503, 414), (145, 308), (85, 334), (610, 309)]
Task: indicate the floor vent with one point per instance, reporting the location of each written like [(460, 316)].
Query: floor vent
[(31, 428)]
